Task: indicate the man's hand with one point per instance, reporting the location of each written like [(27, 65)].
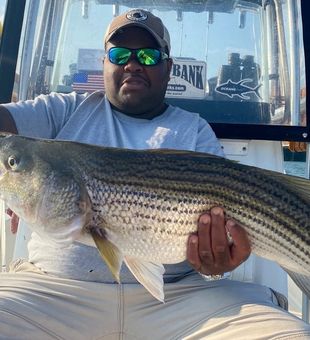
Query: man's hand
[(210, 251), (14, 220)]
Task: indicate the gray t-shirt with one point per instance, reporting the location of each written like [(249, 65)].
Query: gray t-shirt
[(90, 119)]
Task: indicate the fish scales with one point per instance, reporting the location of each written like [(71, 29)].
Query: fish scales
[(261, 197), (142, 216), (271, 197), (138, 214), (144, 204), (174, 185), (147, 168)]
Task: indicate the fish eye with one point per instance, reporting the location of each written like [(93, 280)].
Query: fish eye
[(12, 162)]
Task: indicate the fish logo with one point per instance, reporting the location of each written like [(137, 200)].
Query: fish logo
[(231, 89)]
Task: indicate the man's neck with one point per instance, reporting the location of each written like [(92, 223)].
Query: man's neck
[(143, 115)]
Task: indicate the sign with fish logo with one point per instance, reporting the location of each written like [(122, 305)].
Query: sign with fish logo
[(187, 79), (238, 89)]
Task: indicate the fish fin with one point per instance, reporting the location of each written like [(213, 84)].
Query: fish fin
[(243, 96), (301, 280), (149, 274), (256, 90), (110, 253)]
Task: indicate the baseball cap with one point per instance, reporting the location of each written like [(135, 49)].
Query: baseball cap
[(140, 18)]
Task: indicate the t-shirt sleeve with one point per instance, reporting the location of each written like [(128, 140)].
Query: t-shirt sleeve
[(207, 140), (44, 116)]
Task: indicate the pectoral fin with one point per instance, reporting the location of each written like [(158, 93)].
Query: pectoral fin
[(149, 274), (110, 253)]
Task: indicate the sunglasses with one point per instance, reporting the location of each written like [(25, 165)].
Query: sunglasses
[(144, 56)]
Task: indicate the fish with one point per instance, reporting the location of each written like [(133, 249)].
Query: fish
[(140, 206), (238, 89)]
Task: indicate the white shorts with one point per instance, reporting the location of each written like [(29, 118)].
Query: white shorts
[(37, 306)]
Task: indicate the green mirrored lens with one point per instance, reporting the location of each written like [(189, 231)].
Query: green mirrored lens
[(145, 56), (148, 56), (119, 55)]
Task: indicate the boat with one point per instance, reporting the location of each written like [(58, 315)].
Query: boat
[(241, 64)]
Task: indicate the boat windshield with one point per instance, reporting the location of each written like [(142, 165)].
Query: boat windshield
[(2, 8), (235, 61)]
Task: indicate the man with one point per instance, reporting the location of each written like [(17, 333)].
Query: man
[(69, 293)]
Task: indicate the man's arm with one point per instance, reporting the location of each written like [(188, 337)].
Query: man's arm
[(7, 123)]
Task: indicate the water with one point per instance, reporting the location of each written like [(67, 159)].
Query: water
[(295, 168)]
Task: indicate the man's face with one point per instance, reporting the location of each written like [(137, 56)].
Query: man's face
[(132, 88)]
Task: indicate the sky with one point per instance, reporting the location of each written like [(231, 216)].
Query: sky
[(190, 37), (2, 5)]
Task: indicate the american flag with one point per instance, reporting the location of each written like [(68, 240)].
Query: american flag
[(84, 82)]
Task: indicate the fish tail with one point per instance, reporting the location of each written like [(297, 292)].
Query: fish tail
[(256, 88), (302, 281)]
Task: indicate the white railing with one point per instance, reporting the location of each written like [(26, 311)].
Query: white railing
[(3, 259), (7, 239)]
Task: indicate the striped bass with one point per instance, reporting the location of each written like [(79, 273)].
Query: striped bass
[(139, 207)]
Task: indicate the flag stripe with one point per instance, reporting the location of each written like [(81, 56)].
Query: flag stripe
[(83, 82)]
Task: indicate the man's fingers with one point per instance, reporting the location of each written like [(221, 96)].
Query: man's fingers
[(192, 252), (240, 250), (218, 231), (9, 211), (219, 239), (14, 222), (204, 236)]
